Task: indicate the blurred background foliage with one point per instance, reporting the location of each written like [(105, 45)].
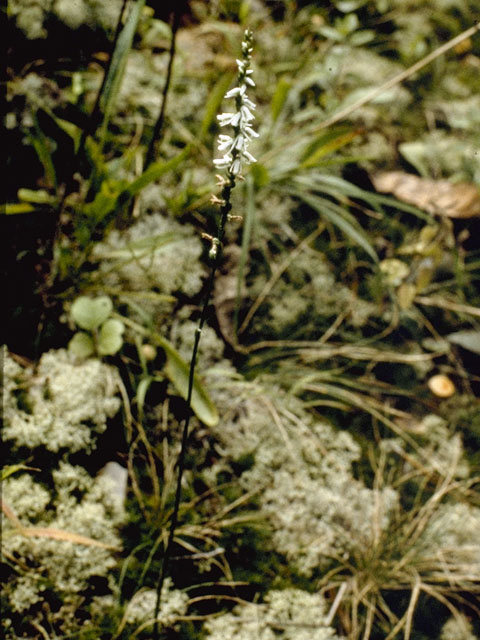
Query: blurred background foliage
[(335, 448)]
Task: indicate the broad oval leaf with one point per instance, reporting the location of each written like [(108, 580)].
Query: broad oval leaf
[(90, 313), (81, 345), (110, 337)]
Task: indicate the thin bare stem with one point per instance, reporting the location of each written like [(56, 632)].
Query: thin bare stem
[(157, 130), (226, 207)]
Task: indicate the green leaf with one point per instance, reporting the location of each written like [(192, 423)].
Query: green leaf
[(42, 145), (13, 468), (279, 97), (119, 60), (469, 340), (110, 337), (38, 196), (260, 175), (324, 144), (16, 208), (244, 11), (341, 218), (154, 171), (416, 154), (177, 371), (105, 201), (346, 6), (90, 314), (81, 345), (70, 129)]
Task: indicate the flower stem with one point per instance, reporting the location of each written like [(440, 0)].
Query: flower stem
[(215, 261)]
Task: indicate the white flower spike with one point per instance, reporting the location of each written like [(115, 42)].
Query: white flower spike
[(234, 147)]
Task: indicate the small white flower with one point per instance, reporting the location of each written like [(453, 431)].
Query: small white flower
[(225, 118), (249, 132), (235, 147), (225, 142), (248, 156), (236, 166), (236, 91), (239, 143), (245, 113), (224, 162)]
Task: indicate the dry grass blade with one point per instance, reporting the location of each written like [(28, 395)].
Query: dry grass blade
[(50, 532), (400, 77), (276, 276), (450, 305), (311, 351)]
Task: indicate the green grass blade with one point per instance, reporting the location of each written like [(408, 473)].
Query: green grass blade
[(214, 102), (117, 68), (40, 143), (177, 371), (16, 208), (340, 218), (325, 144), (154, 171), (279, 97)]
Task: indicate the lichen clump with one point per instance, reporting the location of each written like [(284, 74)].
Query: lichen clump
[(142, 606), (291, 614), (60, 524), (156, 253), (32, 16), (50, 561), (64, 405)]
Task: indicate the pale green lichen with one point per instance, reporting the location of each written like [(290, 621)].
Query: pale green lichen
[(64, 404), (316, 520), (31, 15), (77, 504), (458, 628), (154, 253), (450, 539), (142, 606), (61, 405), (307, 297), (442, 154), (302, 471), (261, 418), (29, 497), (291, 614), (441, 451)]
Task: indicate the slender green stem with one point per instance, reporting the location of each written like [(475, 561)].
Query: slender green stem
[(224, 211), (157, 130)]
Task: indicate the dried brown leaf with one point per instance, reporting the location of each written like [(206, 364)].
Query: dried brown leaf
[(439, 197)]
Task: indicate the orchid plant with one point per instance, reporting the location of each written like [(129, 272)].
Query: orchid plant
[(236, 154)]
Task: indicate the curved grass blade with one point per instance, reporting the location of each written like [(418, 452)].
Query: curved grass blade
[(340, 218), (113, 80), (214, 102), (177, 371)]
